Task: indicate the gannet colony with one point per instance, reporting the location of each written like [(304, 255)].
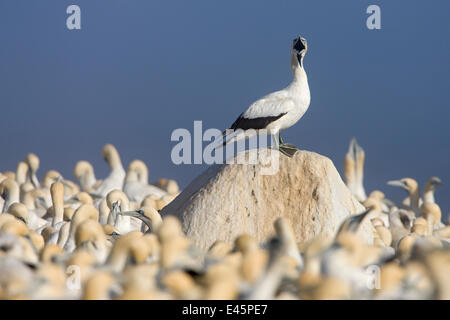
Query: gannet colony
[(302, 233)]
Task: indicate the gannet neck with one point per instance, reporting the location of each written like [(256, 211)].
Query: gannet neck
[(430, 187), (299, 88), (122, 223), (299, 72), (414, 197), (57, 193), (131, 176), (428, 196), (83, 213)]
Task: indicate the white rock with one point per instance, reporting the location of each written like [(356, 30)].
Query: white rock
[(228, 200)]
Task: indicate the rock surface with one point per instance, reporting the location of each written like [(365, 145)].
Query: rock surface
[(230, 199)]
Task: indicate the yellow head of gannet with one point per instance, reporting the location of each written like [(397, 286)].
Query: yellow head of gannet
[(89, 231), (51, 177), (174, 245), (141, 169), (170, 229), (91, 236), (32, 161), (172, 187), (254, 259), (83, 213), (21, 173), (405, 246), (50, 253), (111, 232), (10, 175), (9, 191), (99, 286), (128, 248), (20, 211), (377, 194), (84, 198), (118, 197), (84, 173), (180, 284), (150, 201), (412, 187), (15, 226), (117, 201), (111, 156)]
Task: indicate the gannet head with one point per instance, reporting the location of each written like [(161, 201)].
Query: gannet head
[(21, 172), (299, 48), (141, 169), (433, 183), (20, 211), (33, 162), (119, 197), (407, 184), (111, 156)]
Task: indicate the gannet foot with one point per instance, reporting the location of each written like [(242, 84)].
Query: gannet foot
[(288, 149)]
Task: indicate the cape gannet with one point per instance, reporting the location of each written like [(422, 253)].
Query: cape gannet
[(354, 170), (279, 110), (412, 187)]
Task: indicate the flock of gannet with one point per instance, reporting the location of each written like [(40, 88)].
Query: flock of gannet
[(278, 110), (413, 229), (105, 239)]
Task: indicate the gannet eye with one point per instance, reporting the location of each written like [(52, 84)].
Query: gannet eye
[(140, 211)]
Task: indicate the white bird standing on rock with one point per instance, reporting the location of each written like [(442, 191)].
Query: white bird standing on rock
[(278, 110)]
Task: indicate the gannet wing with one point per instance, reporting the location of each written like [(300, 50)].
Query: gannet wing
[(263, 112), (260, 114)]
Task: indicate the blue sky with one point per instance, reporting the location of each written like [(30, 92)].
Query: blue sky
[(137, 70)]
